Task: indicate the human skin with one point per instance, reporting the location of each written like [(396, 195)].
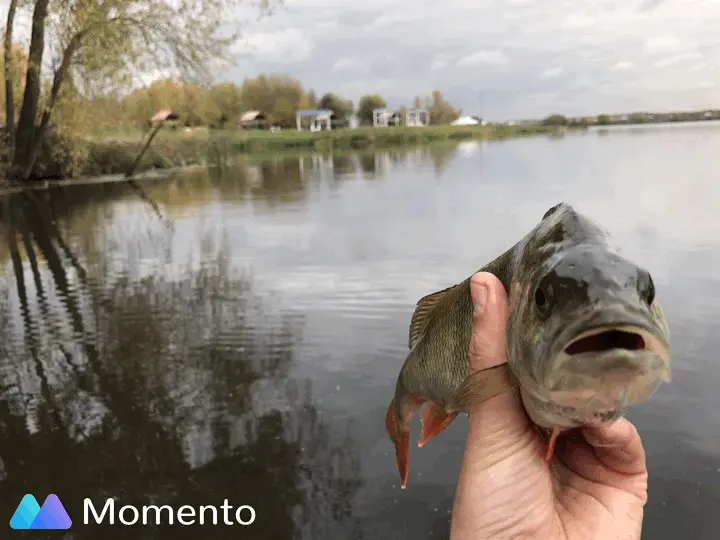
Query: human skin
[(595, 488)]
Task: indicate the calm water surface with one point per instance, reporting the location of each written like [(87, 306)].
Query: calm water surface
[(243, 343)]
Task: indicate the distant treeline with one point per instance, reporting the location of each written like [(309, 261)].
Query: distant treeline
[(632, 118), (277, 97)]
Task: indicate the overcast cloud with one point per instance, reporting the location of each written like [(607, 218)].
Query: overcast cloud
[(503, 58), (500, 58)]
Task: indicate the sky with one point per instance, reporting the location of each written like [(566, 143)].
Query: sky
[(500, 59)]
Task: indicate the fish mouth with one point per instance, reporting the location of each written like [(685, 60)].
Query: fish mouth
[(631, 339), (596, 374)]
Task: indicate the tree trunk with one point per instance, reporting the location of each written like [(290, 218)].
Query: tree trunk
[(9, 97), (25, 134), (58, 80)]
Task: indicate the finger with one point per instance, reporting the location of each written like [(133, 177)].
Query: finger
[(606, 454), (493, 423), (487, 341), (601, 457), (618, 446)]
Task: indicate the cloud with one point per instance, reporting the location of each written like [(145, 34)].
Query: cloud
[(487, 58), (289, 45), (662, 43), (527, 58), (552, 73), (524, 57), (350, 64)]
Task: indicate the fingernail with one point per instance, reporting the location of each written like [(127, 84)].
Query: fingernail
[(481, 296)]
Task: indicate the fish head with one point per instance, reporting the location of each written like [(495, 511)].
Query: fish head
[(586, 337)]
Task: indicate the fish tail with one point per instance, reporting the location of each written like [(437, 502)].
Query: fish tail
[(397, 423)]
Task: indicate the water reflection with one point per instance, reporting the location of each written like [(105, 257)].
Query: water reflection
[(240, 337), (169, 388)]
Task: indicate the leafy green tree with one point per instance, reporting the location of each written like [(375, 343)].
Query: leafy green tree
[(604, 119), (341, 108), (104, 43), (555, 120), (440, 111), (366, 106), (17, 66), (227, 99), (278, 96)]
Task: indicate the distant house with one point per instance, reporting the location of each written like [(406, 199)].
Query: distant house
[(163, 115), (253, 120), (417, 118), (386, 118), (318, 119), (465, 121)]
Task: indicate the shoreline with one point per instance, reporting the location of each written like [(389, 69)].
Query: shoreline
[(108, 160)]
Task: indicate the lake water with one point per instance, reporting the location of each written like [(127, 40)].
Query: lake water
[(236, 334)]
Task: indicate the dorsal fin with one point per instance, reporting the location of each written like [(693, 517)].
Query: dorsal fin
[(422, 313)]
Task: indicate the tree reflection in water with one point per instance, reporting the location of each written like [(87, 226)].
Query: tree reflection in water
[(158, 389)]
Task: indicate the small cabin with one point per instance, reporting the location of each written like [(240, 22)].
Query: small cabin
[(386, 118), (252, 120), (317, 119), (417, 118)]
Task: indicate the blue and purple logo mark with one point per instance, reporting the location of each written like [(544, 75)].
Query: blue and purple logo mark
[(30, 516)]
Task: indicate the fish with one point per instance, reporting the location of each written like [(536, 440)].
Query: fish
[(586, 338)]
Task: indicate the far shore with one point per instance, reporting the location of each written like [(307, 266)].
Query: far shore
[(182, 147)]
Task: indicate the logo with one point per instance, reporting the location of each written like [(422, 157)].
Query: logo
[(30, 516)]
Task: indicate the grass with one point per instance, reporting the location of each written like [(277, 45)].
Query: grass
[(177, 148)]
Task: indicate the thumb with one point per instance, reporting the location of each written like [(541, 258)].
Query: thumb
[(503, 415), (487, 340)]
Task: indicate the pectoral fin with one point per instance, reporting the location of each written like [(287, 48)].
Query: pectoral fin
[(484, 385)]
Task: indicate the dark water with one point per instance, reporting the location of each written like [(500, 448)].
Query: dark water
[(244, 343)]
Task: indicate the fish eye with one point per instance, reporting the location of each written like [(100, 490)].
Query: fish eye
[(646, 287), (543, 299)]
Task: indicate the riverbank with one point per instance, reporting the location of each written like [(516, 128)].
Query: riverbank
[(179, 148)]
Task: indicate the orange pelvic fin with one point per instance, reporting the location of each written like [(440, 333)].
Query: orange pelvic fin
[(434, 419), (397, 423), (551, 445)]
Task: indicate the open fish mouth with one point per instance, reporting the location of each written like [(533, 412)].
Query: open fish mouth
[(604, 340), (598, 374), (620, 354)]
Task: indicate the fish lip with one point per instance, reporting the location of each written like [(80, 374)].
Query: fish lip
[(614, 318), (651, 365)]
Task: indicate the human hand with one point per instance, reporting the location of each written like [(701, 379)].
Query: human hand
[(594, 488)]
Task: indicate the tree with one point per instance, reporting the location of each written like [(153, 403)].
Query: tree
[(312, 99), (341, 108), (104, 43), (18, 66), (555, 120), (278, 96), (10, 78), (604, 119), (227, 98), (366, 106), (439, 110)]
